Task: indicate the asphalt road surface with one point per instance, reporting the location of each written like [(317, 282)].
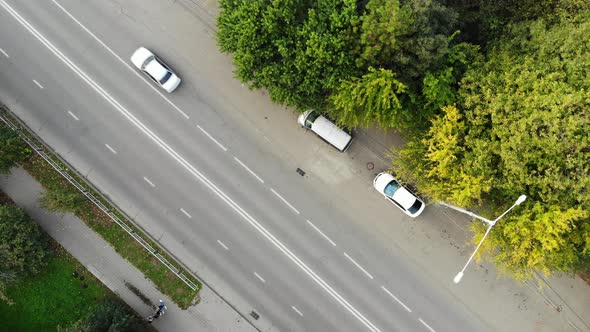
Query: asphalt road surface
[(199, 182)]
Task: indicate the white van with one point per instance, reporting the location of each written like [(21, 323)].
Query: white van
[(325, 129)]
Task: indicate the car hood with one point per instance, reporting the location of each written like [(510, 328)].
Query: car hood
[(139, 56)]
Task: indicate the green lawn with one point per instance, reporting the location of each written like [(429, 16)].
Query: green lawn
[(53, 297)]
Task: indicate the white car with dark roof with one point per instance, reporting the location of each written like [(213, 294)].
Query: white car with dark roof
[(397, 194), (155, 68)]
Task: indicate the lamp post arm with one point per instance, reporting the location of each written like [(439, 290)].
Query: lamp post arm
[(487, 221), (505, 212)]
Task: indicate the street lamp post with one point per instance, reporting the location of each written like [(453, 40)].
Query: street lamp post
[(491, 224)]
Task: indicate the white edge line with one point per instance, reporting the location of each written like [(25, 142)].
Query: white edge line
[(185, 213), (212, 138), (149, 182), (223, 245), (284, 200), (248, 169), (296, 310), (5, 54), (110, 148), (428, 326), (148, 132), (38, 84), (259, 277), (73, 115), (395, 298), (119, 58), (359, 266), (322, 233)]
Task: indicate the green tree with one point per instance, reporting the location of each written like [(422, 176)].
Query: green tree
[(410, 38), (107, 316), (23, 248), (373, 98), (440, 87), (523, 129), (62, 200), (297, 50), (12, 149)]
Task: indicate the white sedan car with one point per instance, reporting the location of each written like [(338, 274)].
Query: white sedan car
[(155, 69), (404, 199)]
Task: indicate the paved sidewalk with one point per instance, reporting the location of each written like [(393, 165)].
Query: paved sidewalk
[(211, 314)]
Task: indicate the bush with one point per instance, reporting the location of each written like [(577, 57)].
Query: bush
[(12, 149)]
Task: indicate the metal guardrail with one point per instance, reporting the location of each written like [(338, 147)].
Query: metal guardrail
[(40, 151)]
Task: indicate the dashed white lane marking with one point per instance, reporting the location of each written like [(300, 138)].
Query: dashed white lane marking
[(212, 138), (5, 54), (322, 233), (185, 213), (259, 277), (284, 200), (189, 167), (395, 298), (248, 169), (73, 116), (223, 245), (149, 182), (296, 310), (112, 150), (38, 84), (359, 266), (427, 326), (120, 59)]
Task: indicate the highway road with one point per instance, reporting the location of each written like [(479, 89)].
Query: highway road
[(202, 183)]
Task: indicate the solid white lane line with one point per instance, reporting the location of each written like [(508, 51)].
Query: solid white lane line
[(212, 138), (110, 148), (259, 277), (185, 213), (248, 169), (38, 84), (195, 172), (5, 54), (223, 245), (149, 182), (133, 69), (428, 326), (395, 298), (284, 200), (359, 266), (322, 233), (73, 116), (296, 310)]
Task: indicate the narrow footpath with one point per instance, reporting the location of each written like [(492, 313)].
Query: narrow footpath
[(211, 314)]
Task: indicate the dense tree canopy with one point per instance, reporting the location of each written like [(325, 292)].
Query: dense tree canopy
[(523, 128), (108, 316), (303, 52), (23, 248), (373, 98), (12, 149), (297, 50)]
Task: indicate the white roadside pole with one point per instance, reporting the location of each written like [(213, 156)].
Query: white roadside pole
[(491, 224)]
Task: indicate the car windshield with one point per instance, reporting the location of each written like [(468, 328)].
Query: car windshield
[(313, 115), (415, 207), (391, 188), (166, 77)]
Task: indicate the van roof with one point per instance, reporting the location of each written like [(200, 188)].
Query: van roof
[(331, 133)]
